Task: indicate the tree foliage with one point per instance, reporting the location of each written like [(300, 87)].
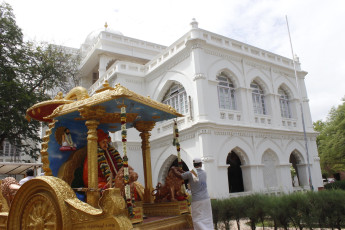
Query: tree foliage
[(30, 72), (331, 140)]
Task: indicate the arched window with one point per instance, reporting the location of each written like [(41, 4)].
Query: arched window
[(284, 103), (176, 97), (226, 92), (258, 99)]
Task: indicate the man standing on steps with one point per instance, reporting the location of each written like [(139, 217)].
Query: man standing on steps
[(201, 203)]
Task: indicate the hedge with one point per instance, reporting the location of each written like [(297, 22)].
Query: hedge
[(323, 209), (335, 185)]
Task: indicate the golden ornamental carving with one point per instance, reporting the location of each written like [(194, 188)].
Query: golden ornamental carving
[(124, 223), (112, 202), (116, 117), (44, 150), (80, 211), (3, 203), (113, 210), (110, 94), (106, 86), (144, 126), (91, 113), (77, 93), (40, 213), (41, 198), (98, 113)]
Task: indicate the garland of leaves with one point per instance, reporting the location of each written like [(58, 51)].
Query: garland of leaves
[(176, 143), (128, 196)]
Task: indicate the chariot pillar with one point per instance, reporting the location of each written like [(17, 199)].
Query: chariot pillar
[(92, 116), (144, 127), (92, 195)]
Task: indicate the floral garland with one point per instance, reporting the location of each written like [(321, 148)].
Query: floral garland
[(129, 200), (176, 143), (103, 164)]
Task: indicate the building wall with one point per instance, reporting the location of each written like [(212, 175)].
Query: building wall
[(264, 143)]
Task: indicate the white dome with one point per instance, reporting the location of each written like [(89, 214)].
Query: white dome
[(90, 39)]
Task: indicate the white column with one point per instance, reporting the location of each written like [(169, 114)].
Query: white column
[(303, 175), (252, 178), (103, 62)]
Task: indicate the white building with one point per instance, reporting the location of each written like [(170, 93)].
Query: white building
[(241, 107)]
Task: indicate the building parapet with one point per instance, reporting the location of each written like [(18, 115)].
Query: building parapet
[(118, 67), (224, 43)]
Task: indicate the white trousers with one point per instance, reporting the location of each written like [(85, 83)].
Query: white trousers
[(202, 215)]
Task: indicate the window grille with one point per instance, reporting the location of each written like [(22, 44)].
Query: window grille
[(284, 104), (176, 97), (226, 93), (258, 99)]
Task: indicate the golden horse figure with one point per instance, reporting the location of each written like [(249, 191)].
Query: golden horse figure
[(61, 199)]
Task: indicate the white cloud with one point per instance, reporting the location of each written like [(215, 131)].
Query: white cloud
[(316, 26)]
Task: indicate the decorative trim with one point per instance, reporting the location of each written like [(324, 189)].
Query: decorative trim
[(255, 65), (208, 159), (198, 76), (197, 46), (164, 67), (204, 131), (282, 73), (222, 55)]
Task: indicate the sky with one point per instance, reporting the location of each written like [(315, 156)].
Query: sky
[(317, 29)]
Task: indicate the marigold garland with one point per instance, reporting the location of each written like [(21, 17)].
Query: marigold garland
[(129, 200), (176, 143)]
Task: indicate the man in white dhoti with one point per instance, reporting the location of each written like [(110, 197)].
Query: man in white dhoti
[(201, 203)]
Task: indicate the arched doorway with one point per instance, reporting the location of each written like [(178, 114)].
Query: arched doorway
[(294, 161), (235, 178), (184, 167)]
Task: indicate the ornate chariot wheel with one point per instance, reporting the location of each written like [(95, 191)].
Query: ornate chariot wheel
[(39, 204)]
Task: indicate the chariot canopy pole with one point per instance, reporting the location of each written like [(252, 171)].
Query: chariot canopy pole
[(144, 127), (301, 106)]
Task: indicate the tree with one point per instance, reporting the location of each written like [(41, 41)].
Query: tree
[(29, 73), (331, 140)]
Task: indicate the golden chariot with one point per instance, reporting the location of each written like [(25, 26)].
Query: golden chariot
[(51, 202)]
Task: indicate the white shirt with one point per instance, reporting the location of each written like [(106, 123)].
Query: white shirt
[(22, 181)]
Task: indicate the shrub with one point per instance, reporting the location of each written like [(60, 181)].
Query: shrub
[(255, 209), (296, 205), (335, 214), (215, 211), (237, 210), (281, 211), (226, 213), (335, 185), (303, 210)]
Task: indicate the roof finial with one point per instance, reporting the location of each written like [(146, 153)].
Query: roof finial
[(194, 24), (106, 25)]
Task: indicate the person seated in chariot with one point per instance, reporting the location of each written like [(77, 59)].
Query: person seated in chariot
[(111, 170), (109, 162), (67, 142)]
